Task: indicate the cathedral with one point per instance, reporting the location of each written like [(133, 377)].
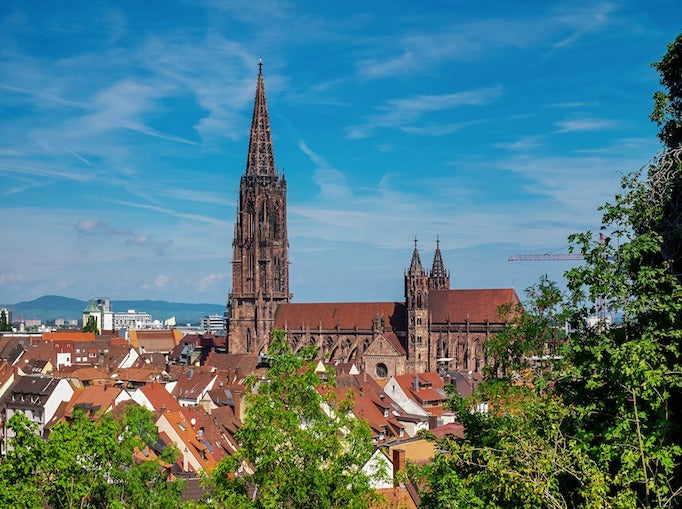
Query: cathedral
[(434, 328)]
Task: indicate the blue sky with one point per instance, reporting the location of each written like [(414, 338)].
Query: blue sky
[(499, 126)]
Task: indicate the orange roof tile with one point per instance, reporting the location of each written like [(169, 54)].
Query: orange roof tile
[(94, 399), (159, 397), (69, 336)]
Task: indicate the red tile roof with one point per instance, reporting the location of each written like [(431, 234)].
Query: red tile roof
[(474, 305), (93, 398), (455, 429), (345, 315), (159, 397), (190, 386), (69, 336)]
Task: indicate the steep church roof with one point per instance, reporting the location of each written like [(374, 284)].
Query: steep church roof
[(345, 315), (261, 159), (476, 306)]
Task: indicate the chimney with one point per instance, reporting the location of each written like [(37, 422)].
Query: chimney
[(433, 421), (398, 465), (415, 383), (200, 434)]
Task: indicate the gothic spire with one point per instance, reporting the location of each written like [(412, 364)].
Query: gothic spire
[(439, 278), (416, 263), (438, 269), (261, 159)]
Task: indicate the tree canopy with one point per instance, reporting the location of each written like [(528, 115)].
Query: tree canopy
[(85, 464), (91, 325)]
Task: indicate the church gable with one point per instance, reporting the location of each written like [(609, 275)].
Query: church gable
[(383, 347)]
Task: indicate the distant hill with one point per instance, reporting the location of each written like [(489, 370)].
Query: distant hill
[(50, 307)]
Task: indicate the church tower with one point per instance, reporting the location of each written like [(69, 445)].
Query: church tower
[(417, 306), (439, 278), (260, 263)]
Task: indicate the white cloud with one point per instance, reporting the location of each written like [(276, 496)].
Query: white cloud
[(162, 281), (10, 278), (210, 281), (585, 124)]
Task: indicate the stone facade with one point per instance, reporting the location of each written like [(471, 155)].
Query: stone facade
[(260, 263), (434, 328)]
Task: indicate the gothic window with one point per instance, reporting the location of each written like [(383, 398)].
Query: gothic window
[(366, 345), (412, 320), (330, 342), (273, 225), (419, 340), (248, 340), (412, 337), (419, 299), (312, 340), (419, 320), (381, 370)]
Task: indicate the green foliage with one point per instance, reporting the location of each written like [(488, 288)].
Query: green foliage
[(667, 111), (91, 325), (532, 331), (84, 464), (4, 322), (303, 453), (515, 456)]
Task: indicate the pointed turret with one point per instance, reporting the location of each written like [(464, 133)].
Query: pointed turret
[(261, 159), (416, 263), (439, 279)]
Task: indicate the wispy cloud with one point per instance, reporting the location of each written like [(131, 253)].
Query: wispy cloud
[(158, 134), (416, 52), (585, 124), (523, 144), (332, 182), (171, 212), (402, 113)]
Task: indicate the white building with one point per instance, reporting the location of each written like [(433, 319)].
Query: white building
[(213, 323), (132, 320)]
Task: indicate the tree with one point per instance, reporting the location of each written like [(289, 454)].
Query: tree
[(305, 451), (533, 331), (4, 323), (91, 325), (85, 464)]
